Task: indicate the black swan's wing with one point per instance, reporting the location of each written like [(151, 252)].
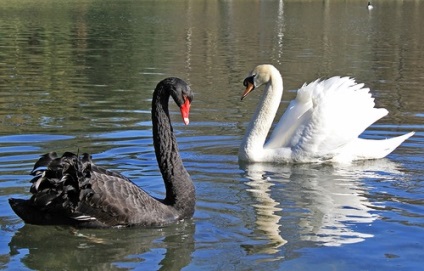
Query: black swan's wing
[(118, 201), (72, 190), (59, 184)]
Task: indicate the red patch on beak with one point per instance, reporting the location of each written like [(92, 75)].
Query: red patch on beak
[(185, 110)]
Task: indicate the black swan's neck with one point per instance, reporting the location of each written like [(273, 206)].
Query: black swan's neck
[(178, 184)]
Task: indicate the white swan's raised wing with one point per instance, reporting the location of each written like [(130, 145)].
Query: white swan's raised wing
[(296, 116), (325, 116)]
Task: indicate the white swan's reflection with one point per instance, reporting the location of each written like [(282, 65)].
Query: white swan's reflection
[(266, 207), (317, 203)]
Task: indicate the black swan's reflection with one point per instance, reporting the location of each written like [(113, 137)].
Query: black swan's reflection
[(65, 248), (313, 203)]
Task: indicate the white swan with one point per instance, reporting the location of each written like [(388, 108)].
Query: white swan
[(321, 125), (369, 6)]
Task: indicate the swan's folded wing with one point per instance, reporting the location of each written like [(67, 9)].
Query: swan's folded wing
[(118, 201)]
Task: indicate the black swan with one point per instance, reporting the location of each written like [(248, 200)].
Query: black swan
[(71, 190)]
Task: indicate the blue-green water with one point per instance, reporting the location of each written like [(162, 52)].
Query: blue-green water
[(80, 75)]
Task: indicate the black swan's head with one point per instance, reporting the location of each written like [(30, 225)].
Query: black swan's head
[(181, 92)]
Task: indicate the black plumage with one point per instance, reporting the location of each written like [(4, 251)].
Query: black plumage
[(72, 190)]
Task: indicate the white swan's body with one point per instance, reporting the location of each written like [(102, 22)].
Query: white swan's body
[(321, 125), (369, 6)]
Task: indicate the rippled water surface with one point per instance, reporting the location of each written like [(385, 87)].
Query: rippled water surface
[(78, 75)]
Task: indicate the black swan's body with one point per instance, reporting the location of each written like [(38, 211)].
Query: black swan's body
[(71, 190)]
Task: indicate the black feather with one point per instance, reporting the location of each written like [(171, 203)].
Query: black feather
[(72, 190)]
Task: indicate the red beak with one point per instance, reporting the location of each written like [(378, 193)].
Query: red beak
[(185, 110)]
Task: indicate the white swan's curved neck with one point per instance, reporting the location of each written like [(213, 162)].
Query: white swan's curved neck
[(253, 142)]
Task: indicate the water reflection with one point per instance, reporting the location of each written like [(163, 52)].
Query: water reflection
[(52, 248), (84, 71), (267, 221), (319, 203), (279, 29)]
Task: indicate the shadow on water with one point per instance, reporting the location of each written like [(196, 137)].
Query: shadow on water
[(61, 248), (313, 205)]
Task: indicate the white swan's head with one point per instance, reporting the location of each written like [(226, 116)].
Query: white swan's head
[(258, 76)]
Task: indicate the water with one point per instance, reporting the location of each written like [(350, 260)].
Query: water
[(80, 74)]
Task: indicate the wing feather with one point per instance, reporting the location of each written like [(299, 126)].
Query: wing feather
[(326, 115)]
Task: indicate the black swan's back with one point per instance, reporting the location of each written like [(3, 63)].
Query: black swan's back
[(72, 190)]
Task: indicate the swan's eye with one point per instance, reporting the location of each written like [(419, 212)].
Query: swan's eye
[(248, 80), (187, 97)]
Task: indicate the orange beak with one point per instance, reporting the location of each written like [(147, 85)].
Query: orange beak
[(248, 89), (185, 110)]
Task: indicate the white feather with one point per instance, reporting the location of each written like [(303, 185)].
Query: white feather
[(322, 123)]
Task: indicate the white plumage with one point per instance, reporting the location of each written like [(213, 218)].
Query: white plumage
[(321, 124)]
